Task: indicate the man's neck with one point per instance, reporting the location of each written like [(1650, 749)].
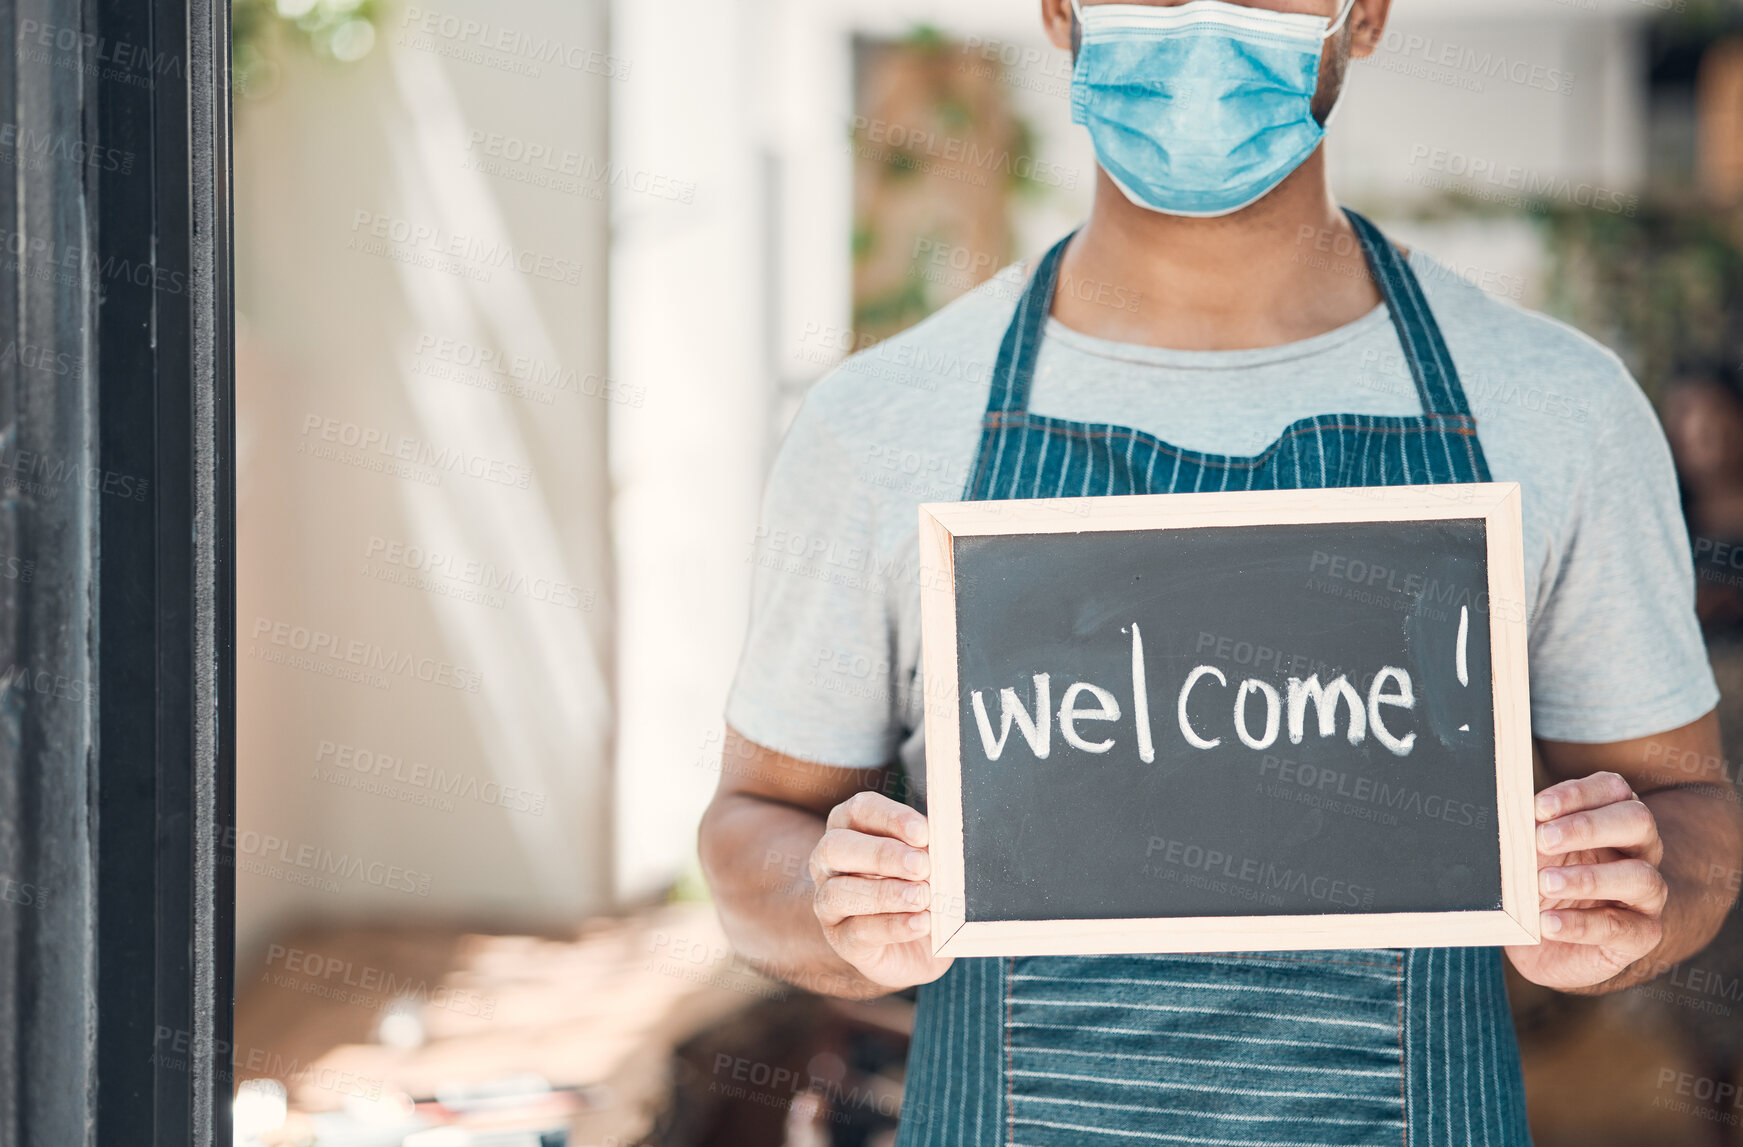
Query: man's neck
[(1285, 269)]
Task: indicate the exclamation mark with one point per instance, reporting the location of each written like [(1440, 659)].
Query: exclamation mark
[(1464, 634)]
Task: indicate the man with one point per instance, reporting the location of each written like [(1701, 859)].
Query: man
[(1280, 343)]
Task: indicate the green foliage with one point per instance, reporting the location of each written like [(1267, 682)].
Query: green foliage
[(896, 309), (691, 887), (1663, 286), (1703, 18), (1021, 179), (926, 38), (340, 30), (1660, 282), (864, 240)]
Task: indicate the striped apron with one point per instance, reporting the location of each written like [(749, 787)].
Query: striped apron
[(1274, 1049)]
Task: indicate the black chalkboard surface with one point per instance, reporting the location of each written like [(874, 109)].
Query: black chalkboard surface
[(1232, 721)]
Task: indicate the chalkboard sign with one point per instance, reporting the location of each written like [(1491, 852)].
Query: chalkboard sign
[(1228, 722)]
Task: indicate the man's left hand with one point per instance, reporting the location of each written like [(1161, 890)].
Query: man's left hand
[(1602, 897)]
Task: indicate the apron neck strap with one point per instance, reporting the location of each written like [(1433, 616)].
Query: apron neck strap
[(1022, 345), (1431, 364)]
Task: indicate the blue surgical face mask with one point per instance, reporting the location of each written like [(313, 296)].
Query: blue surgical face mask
[(1202, 108)]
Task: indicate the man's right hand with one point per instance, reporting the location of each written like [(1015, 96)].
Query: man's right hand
[(871, 870)]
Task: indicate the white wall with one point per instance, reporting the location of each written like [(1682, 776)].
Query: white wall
[(1491, 104), (689, 327), (341, 323)]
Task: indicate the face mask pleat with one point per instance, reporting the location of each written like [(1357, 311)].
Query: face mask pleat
[(1198, 109)]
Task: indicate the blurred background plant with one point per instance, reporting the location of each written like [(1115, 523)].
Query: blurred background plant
[(339, 30), (1663, 287), (1662, 281), (941, 158)]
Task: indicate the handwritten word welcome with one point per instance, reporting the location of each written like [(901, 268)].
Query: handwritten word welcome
[(1390, 688)]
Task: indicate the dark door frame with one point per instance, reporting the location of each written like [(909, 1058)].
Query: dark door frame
[(166, 633), (117, 595)]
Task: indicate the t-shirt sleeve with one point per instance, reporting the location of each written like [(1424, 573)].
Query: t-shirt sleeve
[(815, 681), (1616, 649)]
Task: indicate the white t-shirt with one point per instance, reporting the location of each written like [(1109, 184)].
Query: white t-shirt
[(830, 670)]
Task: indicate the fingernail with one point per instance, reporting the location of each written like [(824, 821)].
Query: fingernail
[(916, 863), (1549, 835), (917, 895), (1553, 880), (1545, 806), (920, 921), (1551, 923)]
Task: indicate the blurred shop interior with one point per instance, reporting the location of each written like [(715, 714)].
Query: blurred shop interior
[(527, 291)]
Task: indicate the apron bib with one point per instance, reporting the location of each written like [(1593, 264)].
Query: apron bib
[(1411, 1047)]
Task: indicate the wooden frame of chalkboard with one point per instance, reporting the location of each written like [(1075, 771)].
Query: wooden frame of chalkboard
[(1495, 505)]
